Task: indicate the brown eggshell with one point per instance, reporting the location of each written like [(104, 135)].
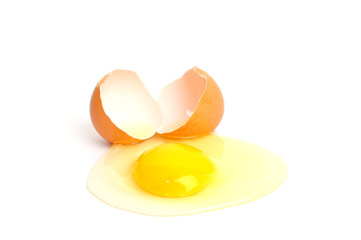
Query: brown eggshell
[(122, 110), (209, 110), (102, 123)]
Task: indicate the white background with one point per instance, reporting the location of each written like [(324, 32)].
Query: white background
[(290, 72)]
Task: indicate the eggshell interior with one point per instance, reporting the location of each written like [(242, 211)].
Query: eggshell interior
[(123, 111), (129, 105), (179, 100)]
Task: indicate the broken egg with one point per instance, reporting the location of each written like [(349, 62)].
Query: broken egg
[(183, 169), (191, 106), (123, 111), (240, 172)]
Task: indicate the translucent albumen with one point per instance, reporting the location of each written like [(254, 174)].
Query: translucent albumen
[(244, 172)]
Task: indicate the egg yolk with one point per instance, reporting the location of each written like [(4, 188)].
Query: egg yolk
[(173, 170)]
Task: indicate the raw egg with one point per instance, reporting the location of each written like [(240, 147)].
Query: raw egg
[(173, 170), (164, 160), (225, 172)]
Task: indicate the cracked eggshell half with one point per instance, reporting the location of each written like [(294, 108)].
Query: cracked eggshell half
[(122, 110), (191, 106)]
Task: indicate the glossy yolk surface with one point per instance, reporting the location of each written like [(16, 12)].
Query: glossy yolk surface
[(173, 170)]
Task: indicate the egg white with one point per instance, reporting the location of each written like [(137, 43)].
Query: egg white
[(244, 172)]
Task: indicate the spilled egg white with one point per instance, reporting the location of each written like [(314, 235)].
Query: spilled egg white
[(244, 172)]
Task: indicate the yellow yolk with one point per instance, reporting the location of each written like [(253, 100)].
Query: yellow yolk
[(173, 170)]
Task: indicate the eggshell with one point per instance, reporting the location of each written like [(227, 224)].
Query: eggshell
[(191, 106), (121, 107)]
